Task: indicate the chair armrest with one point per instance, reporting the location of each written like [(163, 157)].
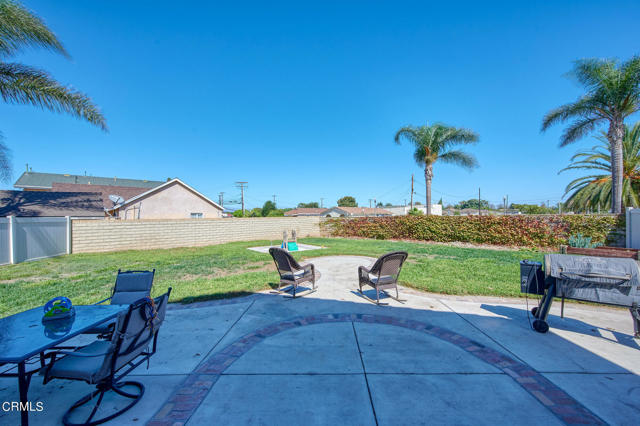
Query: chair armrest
[(363, 274), (102, 301), (75, 353), (52, 355), (308, 267)]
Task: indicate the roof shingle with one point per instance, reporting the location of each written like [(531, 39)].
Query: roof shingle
[(44, 203), (45, 180)]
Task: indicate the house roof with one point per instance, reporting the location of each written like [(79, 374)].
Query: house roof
[(160, 188), (305, 211), (36, 180), (126, 192), (363, 211), (44, 203)]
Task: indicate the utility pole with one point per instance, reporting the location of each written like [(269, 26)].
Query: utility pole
[(412, 192), (242, 186), (504, 200), (321, 200), (370, 200), (479, 211), (221, 199), (274, 200)]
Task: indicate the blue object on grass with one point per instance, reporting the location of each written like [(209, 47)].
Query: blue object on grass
[(293, 246)]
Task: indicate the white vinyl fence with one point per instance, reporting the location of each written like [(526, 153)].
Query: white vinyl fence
[(633, 228), (30, 238)]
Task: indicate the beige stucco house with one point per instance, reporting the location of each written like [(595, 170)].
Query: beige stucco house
[(173, 199)]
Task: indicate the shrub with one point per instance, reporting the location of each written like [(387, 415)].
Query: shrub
[(524, 231), (582, 242)]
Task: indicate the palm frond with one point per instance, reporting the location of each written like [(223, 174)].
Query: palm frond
[(27, 85), (578, 129), (19, 29), (594, 190), (459, 158)]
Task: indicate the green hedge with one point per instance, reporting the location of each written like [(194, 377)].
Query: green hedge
[(521, 230)]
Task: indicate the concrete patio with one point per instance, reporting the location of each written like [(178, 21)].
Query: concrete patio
[(332, 357)]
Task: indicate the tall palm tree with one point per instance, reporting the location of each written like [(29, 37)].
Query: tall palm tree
[(612, 93), (433, 143), (22, 84), (594, 190)]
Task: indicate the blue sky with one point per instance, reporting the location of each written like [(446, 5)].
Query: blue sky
[(302, 99)]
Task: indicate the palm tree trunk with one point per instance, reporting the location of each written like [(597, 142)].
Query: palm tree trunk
[(428, 176), (615, 136)]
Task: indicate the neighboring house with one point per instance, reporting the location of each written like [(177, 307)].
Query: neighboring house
[(51, 204), (356, 212), (305, 211), (125, 192), (436, 209), (172, 200), (35, 181)]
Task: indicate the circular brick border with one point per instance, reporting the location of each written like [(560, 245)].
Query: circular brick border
[(186, 399)]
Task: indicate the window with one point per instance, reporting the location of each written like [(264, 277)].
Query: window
[(197, 215)]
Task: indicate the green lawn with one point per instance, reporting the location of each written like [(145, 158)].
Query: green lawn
[(230, 270)]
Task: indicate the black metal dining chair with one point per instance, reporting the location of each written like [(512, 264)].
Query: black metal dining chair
[(105, 363)]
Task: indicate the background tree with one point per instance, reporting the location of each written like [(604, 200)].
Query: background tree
[(433, 143), (347, 201), (594, 190), (612, 93), (311, 205), (532, 209), (23, 84), (267, 207), (472, 204)]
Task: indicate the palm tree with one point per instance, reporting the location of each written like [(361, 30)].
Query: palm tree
[(433, 143), (612, 94), (23, 84), (594, 190)]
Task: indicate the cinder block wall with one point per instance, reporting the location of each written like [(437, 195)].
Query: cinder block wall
[(90, 236)]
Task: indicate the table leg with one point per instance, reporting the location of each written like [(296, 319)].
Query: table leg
[(23, 386)]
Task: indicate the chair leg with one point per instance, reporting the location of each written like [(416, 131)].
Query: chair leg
[(377, 296), (102, 389)]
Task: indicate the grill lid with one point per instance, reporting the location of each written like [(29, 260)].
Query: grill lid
[(604, 270)]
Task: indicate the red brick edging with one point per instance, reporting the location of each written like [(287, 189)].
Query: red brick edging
[(187, 398)]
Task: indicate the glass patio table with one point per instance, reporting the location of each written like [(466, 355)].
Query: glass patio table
[(23, 336)]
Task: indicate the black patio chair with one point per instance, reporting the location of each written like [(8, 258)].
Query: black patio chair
[(291, 272), (130, 286), (104, 363), (383, 275)]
